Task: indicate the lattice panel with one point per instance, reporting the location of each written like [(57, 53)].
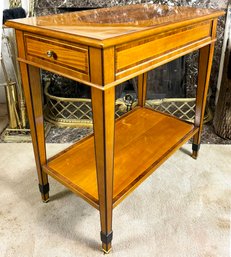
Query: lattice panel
[(70, 110), (182, 108), (74, 111), (77, 111)]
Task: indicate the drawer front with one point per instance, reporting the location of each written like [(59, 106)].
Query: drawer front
[(136, 53), (58, 55)]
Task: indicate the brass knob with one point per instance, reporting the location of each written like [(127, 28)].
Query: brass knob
[(50, 54)]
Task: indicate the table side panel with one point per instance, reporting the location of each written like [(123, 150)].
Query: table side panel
[(136, 53)]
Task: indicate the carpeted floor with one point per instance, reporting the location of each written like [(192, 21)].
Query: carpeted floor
[(182, 210)]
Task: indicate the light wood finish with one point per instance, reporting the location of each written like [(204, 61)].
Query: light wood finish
[(35, 116), (103, 107), (156, 61), (31, 86), (155, 133), (117, 25), (142, 89), (63, 55), (160, 33), (102, 48), (159, 45), (205, 65)]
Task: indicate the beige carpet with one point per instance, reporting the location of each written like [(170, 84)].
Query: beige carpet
[(182, 210)]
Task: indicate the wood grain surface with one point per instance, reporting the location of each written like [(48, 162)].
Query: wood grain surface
[(142, 140), (109, 26)]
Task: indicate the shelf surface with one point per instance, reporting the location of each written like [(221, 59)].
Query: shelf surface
[(143, 140)]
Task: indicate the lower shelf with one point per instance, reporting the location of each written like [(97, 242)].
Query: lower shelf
[(143, 140)]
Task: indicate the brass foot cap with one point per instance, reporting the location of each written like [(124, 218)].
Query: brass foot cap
[(106, 252), (194, 155), (46, 201)]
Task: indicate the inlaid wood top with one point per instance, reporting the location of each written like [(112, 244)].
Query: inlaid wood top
[(108, 23)]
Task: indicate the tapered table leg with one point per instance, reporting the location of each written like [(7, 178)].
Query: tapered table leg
[(205, 64), (103, 106), (33, 98), (142, 89)]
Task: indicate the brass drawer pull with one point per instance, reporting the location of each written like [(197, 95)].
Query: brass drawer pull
[(50, 54)]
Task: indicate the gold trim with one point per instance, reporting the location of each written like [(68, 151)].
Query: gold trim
[(106, 252)]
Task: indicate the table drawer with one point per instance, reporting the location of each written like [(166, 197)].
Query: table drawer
[(57, 55)]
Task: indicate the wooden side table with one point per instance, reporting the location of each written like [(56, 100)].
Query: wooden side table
[(102, 48)]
